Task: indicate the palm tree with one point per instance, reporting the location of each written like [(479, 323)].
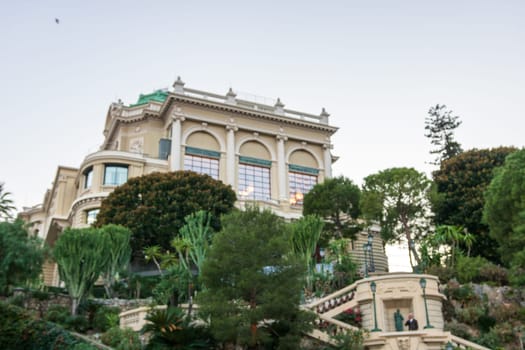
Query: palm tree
[(5, 203)]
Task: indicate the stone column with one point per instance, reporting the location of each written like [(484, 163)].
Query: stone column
[(230, 154), (327, 161), (281, 168), (176, 140)]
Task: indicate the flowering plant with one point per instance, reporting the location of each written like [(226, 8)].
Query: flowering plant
[(351, 316)]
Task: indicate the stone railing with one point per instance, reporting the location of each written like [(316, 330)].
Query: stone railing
[(333, 300), (461, 343), (136, 318)]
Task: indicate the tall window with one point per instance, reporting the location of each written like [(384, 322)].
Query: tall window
[(254, 179), (88, 177), (115, 174), (91, 216), (202, 161), (300, 182)]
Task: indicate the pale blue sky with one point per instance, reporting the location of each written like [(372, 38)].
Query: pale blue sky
[(376, 66)]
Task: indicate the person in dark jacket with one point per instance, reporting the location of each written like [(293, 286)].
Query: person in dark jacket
[(411, 323)]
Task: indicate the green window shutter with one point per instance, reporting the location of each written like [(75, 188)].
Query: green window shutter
[(202, 152), (255, 161), (303, 169)]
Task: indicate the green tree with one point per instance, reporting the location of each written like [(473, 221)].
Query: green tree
[(154, 206), (305, 234), (504, 210), (253, 284), (460, 183), (80, 255), (440, 126), (6, 203), (399, 199), (118, 253), (21, 256), (336, 200)]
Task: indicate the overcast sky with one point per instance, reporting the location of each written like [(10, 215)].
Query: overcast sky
[(376, 66)]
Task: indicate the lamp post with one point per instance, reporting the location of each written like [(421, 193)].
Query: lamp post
[(365, 250), (373, 289), (423, 284), (371, 251)]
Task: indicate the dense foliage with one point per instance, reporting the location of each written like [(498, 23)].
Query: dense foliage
[(505, 208), (336, 200), (20, 331), (21, 256), (154, 206), (460, 184), (253, 285)]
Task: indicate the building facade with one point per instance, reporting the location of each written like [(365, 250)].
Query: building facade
[(267, 153)]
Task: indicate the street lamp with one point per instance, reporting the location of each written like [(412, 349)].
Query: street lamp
[(423, 284), (371, 251), (365, 250), (373, 289)]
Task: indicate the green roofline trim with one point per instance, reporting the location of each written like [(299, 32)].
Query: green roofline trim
[(158, 96), (303, 169), (255, 161), (202, 152)]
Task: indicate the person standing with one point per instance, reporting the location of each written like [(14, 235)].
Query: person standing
[(411, 323)]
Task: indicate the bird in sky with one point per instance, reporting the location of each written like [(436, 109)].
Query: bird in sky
[(57, 21)]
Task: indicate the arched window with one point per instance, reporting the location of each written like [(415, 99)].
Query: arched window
[(302, 176), (202, 154)]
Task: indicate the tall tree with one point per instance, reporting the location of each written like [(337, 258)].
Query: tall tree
[(118, 253), (6, 203), (440, 126), (336, 200), (460, 183), (21, 256), (80, 255), (399, 198), (504, 209), (154, 206), (253, 283)]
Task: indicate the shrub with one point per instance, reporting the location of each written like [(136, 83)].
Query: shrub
[(470, 315), (494, 273), (57, 314), (444, 273), (77, 323), (468, 269), (459, 329), (105, 318), (464, 294), (505, 312), (351, 316), (121, 339)]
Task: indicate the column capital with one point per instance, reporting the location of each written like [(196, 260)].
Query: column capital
[(232, 127), (328, 146), (281, 137), (178, 115)]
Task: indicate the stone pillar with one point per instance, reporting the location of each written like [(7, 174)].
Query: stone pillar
[(281, 168), (327, 161), (230, 155), (176, 140)]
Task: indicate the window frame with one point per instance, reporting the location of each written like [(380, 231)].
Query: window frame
[(116, 176)]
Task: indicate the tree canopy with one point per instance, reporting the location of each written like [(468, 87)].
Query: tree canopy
[(504, 210), (252, 283), (336, 200), (154, 206), (399, 199), (440, 125), (460, 184), (21, 256)]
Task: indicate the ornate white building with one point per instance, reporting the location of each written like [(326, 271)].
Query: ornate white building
[(267, 153)]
